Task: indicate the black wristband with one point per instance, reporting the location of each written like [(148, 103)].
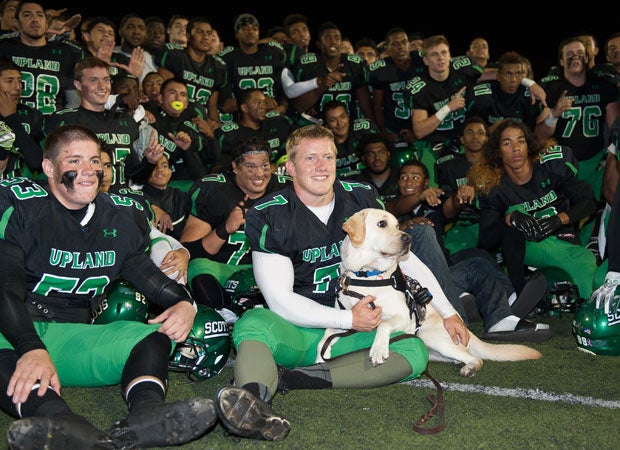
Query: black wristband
[(221, 232)]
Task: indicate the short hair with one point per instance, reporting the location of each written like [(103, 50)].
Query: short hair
[(21, 3), (308, 132), (613, 36), (251, 145), (90, 62), (333, 104), (366, 42), (392, 31), (372, 138), (176, 17), (510, 58), (475, 119), (64, 135), (326, 26), (128, 16), (165, 84), (191, 23), (244, 95), (292, 19), (90, 24), (432, 41), (416, 163), (7, 64)]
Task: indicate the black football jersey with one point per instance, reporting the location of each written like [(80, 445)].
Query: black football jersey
[(552, 189), (260, 70), (202, 78), (214, 197), (450, 173), (280, 223), (69, 265), (582, 127), (424, 92), (386, 76), (487, 101), (47, 72), (347, 161), (311, 65), (275, 128)]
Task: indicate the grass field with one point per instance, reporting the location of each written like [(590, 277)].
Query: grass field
[(566, 400)]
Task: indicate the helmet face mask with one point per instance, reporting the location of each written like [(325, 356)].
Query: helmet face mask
[(122, 302), (205, 351), (596, 326)]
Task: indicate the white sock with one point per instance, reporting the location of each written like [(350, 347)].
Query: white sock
[(512, 298), (506, 324)]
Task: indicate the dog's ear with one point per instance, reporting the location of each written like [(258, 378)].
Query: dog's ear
[(355, 227)]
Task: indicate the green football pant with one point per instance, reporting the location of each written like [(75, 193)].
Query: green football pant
[(577, 261), (89, 355), (294, 346)]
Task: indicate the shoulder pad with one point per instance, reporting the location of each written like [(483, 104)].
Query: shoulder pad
[(308, 58), (354, 57), (443, 159), (378, 63), (273, 114), (276, 44), (549, 78), (226, 50), (229, 126)]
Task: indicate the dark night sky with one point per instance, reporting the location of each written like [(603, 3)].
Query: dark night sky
[(524, 27)]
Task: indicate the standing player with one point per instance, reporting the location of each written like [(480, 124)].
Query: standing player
[(47, 67), (254, 65), (585, 105), (339, 76), (204, 74)]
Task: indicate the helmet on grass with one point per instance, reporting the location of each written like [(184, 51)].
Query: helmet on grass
[(596, 325), (205, 351)]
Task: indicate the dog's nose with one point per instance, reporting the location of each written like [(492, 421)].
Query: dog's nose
[(406, 238)]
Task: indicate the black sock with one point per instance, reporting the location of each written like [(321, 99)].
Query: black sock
[(317, 376)]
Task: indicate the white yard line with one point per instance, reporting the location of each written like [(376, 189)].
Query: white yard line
[(533, 394)]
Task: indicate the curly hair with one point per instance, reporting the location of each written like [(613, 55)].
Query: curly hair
[(488, 173)]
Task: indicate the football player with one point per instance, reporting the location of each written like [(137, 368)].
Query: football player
[(62, 244)]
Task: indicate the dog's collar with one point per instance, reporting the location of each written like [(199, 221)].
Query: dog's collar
[(348, 281), (366, 274)]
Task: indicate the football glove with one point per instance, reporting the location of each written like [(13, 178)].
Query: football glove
[(526, 224), (548, 226), (605, 293)]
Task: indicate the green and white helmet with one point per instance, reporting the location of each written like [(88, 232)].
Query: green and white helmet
[(205, 351), (596, 325)]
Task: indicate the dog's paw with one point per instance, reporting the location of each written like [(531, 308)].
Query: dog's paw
[(470, 369), (378, 354)]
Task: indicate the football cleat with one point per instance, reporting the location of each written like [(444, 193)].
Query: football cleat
[(245, 415), (165, 424), (64, 432)]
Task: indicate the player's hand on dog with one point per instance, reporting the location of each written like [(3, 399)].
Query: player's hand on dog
[(34, 366), (366, 316), (456, 329)]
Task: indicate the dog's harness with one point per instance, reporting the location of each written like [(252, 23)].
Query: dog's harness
[(416, 296)]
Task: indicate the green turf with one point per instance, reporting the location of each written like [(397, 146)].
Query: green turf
[(565, 390)]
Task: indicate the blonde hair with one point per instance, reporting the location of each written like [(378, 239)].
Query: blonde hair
[(308, 132)]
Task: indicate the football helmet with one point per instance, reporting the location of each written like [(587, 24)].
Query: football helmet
[(562, 297), (122, 302), (244, 291), (596, 325), (205, 351)]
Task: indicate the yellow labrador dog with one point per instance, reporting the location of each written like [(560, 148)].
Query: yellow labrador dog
[(370, 253)]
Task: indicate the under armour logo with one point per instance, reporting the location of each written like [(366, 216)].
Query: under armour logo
[(110, 233), (545, 183)]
